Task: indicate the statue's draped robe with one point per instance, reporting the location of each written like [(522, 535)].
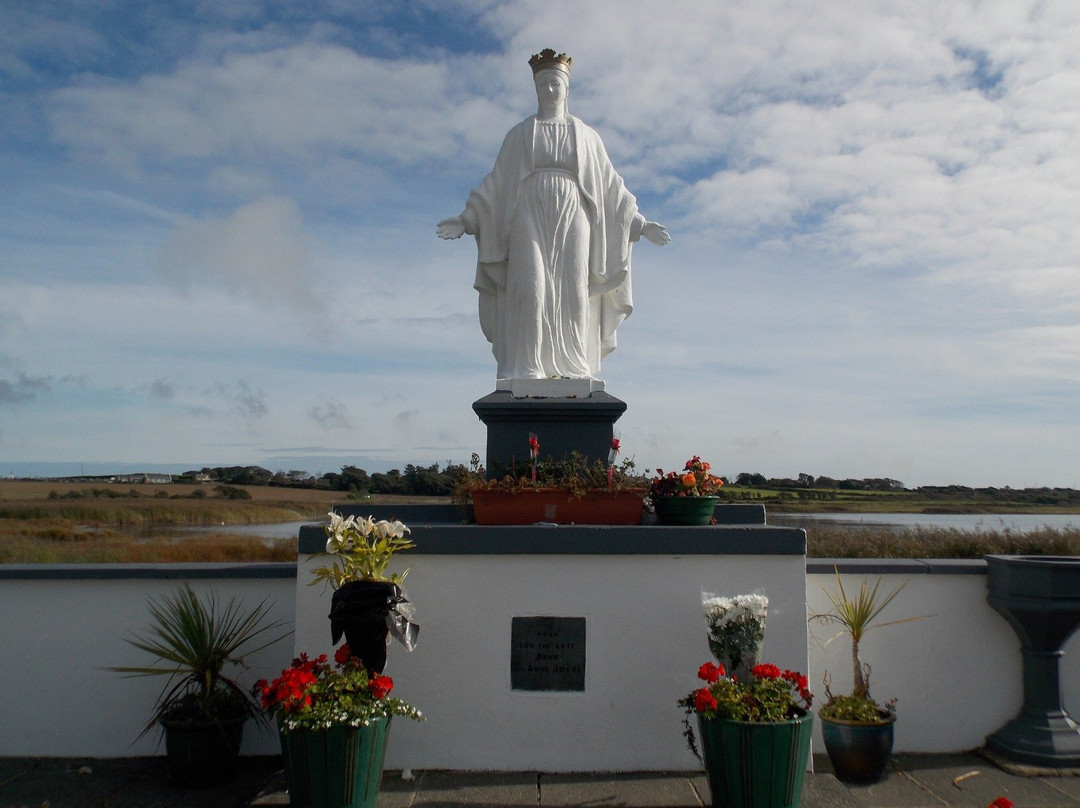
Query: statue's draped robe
[(554, 226)]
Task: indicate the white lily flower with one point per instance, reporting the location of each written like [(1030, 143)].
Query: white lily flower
[(394, 530), (365, 525)]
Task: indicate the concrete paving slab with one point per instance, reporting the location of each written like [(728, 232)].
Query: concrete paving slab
[(971, 780), (825, 791), (121, 783), (894, 790), (464, 789), (638, 790)]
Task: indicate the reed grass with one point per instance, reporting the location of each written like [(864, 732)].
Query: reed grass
[(205, 548), (867, 541)]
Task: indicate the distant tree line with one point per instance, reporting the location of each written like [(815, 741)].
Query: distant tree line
[(804, 480), (438, 481), (431, 481)]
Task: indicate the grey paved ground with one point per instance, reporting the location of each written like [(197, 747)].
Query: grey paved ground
[(913, 781)]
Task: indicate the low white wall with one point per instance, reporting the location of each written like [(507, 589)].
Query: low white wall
[(644, 637), (58, 636), (956, 674)]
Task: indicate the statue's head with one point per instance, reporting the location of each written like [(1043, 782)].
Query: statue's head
[(551, 75), (548, 60)]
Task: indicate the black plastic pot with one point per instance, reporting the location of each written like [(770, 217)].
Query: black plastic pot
[(1040, 597), (358, 610), (201, 754), (858, 751)]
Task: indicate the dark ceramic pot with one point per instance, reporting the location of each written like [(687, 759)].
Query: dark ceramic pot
[(858, 751), (202, 753)]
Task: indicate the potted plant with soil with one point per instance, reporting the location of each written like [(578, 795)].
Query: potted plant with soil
[(687, 497), (202, 710), (367, 604), (567, 491), (858, 730), (755, 735), (334, 721)]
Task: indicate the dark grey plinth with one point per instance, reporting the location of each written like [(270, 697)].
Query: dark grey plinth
[(1040, 598), (444, 530), (562, 425)]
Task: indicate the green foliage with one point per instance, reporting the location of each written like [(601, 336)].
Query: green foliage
[(191, 640), (574, 473), (856, 708), (856, 615), (361, 550), (231, 492)]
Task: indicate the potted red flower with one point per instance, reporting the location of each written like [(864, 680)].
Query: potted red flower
[(755, 734), (568, 491), (333, 720)]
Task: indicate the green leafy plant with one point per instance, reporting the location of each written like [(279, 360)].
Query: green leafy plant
[(312, 694), (695, 480), (574, 473), (769, 694), (856, 615), (362, 550), (192, 640)]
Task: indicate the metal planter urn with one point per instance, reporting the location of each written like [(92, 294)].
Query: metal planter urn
[(1040, 597)]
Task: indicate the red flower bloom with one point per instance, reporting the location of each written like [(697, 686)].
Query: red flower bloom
[(710, 672), (342, 654), (1001, 802), (381, 686), (766, 670), (704, 700)]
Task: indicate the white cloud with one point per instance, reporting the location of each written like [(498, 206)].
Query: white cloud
[(258, 251)]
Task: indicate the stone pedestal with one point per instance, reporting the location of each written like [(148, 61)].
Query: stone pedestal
[(562, 424), (562, 648)]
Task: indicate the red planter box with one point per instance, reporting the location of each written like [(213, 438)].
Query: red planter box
[(558, 506)]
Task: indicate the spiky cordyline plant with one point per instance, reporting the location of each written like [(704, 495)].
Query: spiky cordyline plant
[(192, 640), (856, 616)]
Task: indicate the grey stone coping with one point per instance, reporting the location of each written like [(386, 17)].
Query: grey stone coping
[(897, 566), (216, 570), (726, 514), (588, 540), (521, 541)]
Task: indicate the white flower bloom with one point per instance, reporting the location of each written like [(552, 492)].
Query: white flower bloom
[(394, 530), (365, 525)]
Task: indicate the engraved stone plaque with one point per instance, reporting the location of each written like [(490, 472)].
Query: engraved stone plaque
[(547, 653)]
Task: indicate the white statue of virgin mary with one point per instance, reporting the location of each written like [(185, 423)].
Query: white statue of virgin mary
[(554, 226)]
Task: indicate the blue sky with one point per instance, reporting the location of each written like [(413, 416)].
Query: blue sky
[(217, 230)]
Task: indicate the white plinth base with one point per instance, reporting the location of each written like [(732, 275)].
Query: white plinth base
[(550, 388)]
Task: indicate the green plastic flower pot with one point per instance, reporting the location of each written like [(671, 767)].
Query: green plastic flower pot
[(685, 510), (756, 764), (338, 767)]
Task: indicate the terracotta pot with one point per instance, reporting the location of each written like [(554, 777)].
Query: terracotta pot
[(558, 506)]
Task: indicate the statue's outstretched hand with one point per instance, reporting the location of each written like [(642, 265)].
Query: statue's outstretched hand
[(656, 233), (450, 228)]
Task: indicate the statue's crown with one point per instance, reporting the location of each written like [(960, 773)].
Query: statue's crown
[(548, 60)]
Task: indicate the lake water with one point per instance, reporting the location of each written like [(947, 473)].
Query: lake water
[(1019, 522)]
